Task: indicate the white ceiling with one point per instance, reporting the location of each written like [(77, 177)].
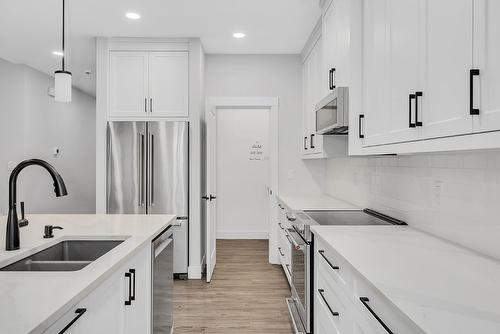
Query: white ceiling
[(30, 29)]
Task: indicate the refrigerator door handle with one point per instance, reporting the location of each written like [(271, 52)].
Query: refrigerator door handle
[(140, 152), (152, 165)]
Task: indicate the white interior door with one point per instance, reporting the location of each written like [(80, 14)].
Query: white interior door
[(242, 173), (211, 207)]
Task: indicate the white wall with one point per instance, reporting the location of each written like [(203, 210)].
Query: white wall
[(32, 124), (271, 75), (453, 196)]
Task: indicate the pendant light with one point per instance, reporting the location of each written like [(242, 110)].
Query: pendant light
[(62, 89)]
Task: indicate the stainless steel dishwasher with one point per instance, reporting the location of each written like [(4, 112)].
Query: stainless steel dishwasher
[(163, 283)]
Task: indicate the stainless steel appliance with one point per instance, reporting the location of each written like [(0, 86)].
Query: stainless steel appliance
[(147, 173), (332, 113), (301, 303), (163, 283)]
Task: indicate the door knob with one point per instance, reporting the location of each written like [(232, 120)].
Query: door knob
[(206, 198)]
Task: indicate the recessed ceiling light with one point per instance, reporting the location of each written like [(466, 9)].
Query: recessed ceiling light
[(57, 53), (132, 16), (239, 35)]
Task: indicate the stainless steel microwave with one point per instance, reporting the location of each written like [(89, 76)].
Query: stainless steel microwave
[(332, 113)]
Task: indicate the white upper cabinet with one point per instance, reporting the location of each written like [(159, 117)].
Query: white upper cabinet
[(405, 65), (336, 42), (448, 61), (375, 85), (128, 83), (487, 60), (148, 84), (168, 84)]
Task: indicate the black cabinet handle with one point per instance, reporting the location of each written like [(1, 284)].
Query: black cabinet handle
[(321, 293), (129, 276), (305, 143), (281, 253), (312, 141), (360, 130), (411, 97), (79, 312), (473, 72), (365, 301), (281, 226), (322, 253), (145, 105), (417, 95), (151, 105), (132, 272), (332, 78)]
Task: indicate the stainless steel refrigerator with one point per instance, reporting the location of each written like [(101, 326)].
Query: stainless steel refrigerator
[(148, 173)]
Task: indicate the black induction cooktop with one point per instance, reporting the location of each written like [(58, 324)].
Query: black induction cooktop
[(351, 217)]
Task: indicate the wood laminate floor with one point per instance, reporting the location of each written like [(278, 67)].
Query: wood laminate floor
[(246, 295)]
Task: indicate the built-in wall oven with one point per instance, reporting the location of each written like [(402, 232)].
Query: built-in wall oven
[(302, 265)]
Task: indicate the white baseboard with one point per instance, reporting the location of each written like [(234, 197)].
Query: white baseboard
[(194, 272), (243, 235)]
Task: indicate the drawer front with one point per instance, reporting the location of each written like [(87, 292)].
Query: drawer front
[(323, 321), (331, 298), (380, 314), (331, 262)]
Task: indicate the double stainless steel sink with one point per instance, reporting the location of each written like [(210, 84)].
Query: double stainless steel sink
[(68, 255)]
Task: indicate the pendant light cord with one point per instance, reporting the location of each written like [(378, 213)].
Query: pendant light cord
[(63, 13)]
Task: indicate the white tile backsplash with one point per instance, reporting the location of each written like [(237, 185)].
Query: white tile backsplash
[(453, 196)]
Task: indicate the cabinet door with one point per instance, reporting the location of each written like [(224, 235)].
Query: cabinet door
[(405, 32), (168, 84), (487, 60), (103, 311), (329, 36), (137, 316), (376, 104), (128, 83), (306, 100), (448, 56), (316, 68)]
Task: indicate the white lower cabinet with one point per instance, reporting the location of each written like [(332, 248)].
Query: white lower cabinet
[(284, 243), (121, 304), (345, 303)]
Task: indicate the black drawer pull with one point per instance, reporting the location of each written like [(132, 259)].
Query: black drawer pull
[(473, 72), (281, 253), (365, 302), (132, 271), (332, 79), (312, 141), (79, 312), (411, 97), (305, 143), (281, 226), (129, 276), (417, 95), (322, 253), (321, 293), (361, 118), (289, 240)]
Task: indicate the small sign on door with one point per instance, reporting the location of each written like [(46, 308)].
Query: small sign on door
[(256, 152)]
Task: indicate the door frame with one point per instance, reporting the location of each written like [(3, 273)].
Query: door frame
[(262, 102)]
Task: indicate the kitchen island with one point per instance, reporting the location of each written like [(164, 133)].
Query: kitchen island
[(35, 301)]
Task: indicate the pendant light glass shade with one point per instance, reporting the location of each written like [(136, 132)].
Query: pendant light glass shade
[(62, 88)]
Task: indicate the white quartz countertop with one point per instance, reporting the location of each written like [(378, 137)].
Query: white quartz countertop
[(442, 287), (316, 202), (31, 301)]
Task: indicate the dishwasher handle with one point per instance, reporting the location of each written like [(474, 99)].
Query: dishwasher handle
[(158, 248)]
